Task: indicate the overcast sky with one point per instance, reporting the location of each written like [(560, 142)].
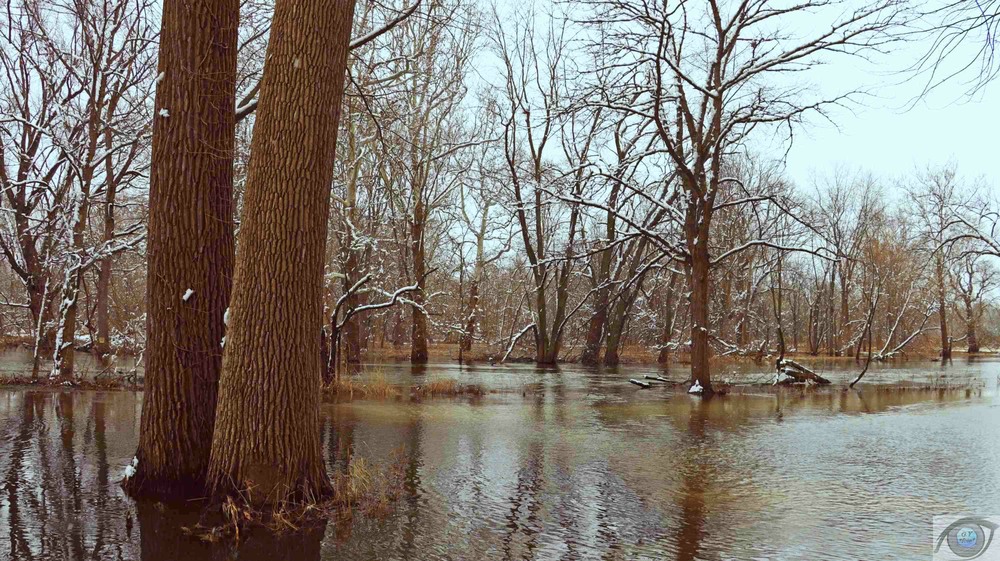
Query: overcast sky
[(897, 129)]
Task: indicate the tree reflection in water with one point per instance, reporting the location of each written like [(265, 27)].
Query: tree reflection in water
[(593, 473)]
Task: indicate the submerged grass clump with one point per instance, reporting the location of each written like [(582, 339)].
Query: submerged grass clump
[(372, 384), (359, 488), (447, 387)]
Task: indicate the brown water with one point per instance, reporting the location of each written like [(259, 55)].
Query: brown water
[(581, 466)]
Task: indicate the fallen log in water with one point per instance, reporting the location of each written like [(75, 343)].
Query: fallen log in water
[(640, 383), (656, 378), (796, 373)]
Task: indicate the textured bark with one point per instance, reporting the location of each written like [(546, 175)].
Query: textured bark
[(64, 357), (102, 303), (418, 325), (971, 322), (616, 330), (352, 330), (971, 338), (698, 280), (630, 276), (595, 330), (591, 354), (267, 433), (190, 244), (831, 317)]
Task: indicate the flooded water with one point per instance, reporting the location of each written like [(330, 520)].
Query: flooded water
[(17, 362), (566, 464)]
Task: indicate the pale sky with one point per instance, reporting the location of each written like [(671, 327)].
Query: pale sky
[(896, 130), (893, 131)]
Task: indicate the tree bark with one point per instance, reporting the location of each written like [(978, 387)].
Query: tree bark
[(591, 355), (267, 442), (102, 343), (699, 286), (471, 317), (190, 244), (418, 325), (352, 329), (971, 339), (942, 308), (616, 329)]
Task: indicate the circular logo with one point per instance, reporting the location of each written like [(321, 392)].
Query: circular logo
[(966, 537), (967, 540)]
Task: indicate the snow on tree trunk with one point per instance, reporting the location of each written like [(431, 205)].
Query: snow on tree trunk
[(699, 286), (190, 244)]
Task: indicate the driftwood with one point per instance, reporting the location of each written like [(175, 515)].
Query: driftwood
[(640, 383), (656, 378), (796, 373)]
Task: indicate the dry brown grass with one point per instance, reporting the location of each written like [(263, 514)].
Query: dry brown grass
[(447, 387), (368, 489), (362, 488), (371, 385), (439, 352)]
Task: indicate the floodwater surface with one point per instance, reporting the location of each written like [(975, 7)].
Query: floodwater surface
[(563, 464)]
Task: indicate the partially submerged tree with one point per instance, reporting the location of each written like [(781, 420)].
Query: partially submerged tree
[(709, 74), (266, 445), (933, 197), (190, 247), (973, 278)]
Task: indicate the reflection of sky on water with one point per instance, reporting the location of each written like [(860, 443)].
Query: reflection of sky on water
[(580, 468)]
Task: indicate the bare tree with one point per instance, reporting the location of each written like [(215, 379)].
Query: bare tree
[(708, 75), (973, 278)]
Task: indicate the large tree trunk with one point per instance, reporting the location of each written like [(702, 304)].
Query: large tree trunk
[(616, 328), (352, 329), (102, 343), (63, 362), (471, 317), (591, 355), (699, 286), (971, 338), (190, 244), (845, 312), (267, 443), (831, 317), (970, 325), (942, 308), (418, 327)]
